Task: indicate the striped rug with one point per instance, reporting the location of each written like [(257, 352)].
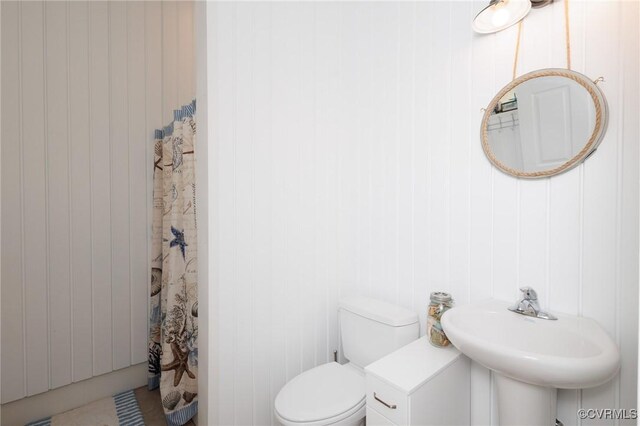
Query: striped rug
[(119, 410)]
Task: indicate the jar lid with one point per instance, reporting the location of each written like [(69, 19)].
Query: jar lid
[(440, 297)]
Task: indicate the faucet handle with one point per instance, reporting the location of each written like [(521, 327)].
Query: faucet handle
[(528, 293)]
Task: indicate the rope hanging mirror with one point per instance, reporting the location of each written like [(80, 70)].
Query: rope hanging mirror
[(544, 122)]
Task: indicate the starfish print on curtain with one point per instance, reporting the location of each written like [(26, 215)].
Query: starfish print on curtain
[(173, 334)]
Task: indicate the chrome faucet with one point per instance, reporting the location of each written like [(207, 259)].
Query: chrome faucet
[(528, 305)]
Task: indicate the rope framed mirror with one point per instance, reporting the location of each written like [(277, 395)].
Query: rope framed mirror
[(544, 123)]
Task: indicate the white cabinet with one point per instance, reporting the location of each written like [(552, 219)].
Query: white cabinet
[(419, 384)]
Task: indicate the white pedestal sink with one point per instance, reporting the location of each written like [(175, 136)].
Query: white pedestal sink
[(532, 357)]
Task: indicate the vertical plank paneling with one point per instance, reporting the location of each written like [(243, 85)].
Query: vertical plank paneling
[(600, 233), (438, 129), (481, 231), (294, 50), (383, 17), (326, 41), (348, 184), (459, 159), (628, 263), (138, 143), (365, 108), (532, 261), (420, 161), (389, 152), (13, 355), (34, 173), (564, 242), (101, 250), (406, 145), (307, 168), (81, 191), (244, 194), (321, 256), (120, 186), (185, 53), (225, 57), (153, 72), (58, 181), (82, 86), (170, 76), (262, 307), (327, 29), (401, 177), (288, 84)]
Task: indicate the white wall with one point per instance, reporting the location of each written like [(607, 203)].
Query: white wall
[(204, 23), (347, 161), (83, 86)]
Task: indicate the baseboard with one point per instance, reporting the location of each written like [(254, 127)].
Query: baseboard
[(72, 396)]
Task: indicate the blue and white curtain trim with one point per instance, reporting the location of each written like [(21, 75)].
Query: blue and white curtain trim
[(178, 115), (173, 308)]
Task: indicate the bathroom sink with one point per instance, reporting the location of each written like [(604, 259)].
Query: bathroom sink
[(572, 352), (532, 356)]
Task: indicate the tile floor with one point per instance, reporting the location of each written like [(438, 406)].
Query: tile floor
[(151, 406)]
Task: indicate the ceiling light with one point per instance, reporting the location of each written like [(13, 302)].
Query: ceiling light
[(500, 14)]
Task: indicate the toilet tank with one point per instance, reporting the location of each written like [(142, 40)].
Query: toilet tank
[(371, 329)]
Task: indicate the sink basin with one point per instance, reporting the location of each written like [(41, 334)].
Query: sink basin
[(572, 352), (532, 356)]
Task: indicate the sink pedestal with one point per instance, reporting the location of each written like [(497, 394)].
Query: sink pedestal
[(523, 404)]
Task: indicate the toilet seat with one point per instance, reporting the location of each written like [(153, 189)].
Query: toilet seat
[(325, 395)]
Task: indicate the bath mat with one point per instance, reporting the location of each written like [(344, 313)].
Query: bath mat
[(119, 410)]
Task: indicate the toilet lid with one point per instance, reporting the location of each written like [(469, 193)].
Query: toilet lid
[(323, 392)]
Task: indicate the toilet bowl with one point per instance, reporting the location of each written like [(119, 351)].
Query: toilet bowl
[(334, 394), (330, 394)]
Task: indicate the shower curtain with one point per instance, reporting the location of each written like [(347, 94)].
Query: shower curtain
[(173, 316)]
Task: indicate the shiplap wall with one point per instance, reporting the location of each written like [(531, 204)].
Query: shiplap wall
[(83, 86), (347, 161)]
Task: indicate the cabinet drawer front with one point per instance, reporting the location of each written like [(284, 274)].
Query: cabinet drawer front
[(376, 419), (387, 400)]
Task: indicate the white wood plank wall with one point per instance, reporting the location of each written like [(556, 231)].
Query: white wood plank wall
[(84, 84), (348, 162)]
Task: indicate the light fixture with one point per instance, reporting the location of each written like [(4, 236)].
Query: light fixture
[(500, 14)]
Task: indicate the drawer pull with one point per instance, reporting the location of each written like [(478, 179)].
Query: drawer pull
[(391, 406)]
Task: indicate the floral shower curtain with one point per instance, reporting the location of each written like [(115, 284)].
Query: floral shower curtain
[(173, 322)]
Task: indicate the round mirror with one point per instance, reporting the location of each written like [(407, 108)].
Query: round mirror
[(544, 123)]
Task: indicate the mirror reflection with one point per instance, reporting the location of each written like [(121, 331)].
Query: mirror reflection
[(540, 124)]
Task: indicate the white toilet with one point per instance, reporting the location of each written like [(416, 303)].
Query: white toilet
[(334, 394)]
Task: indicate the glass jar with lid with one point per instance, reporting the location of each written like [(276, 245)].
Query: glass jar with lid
[(440, 303)]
